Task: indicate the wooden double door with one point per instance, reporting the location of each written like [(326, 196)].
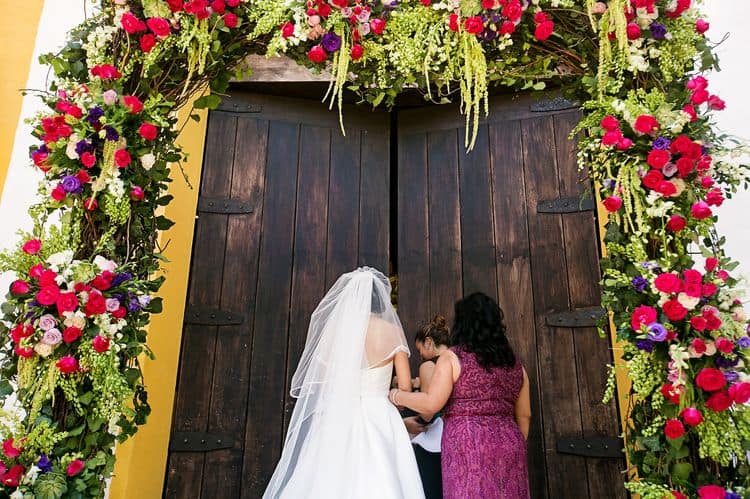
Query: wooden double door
[(287, 204)]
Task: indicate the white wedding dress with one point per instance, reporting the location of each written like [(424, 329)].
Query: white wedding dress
[(345, 439)]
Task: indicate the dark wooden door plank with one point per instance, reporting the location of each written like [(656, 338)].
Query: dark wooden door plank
[(374, 208)]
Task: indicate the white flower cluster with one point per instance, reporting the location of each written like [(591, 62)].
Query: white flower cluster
[(96, 44)]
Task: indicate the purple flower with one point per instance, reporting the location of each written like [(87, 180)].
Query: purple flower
[(488, 35), (732, 495), (120, 278), (133, 304), (71, 183), (658, 31), (661, 143), (645, 345), (744, 342), (44, 464), (94, 114), (495, 18), (331, 42), (609, 183), (731, 376), (111, 133), (83, 146), (723, 362), (656, 332), (640, 283)]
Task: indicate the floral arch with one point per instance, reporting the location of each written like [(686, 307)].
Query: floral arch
[(76, 316)]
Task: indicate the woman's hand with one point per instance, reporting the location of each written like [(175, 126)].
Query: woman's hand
[(413, 426)]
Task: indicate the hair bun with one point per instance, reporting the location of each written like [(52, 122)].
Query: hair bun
[(439, 322)]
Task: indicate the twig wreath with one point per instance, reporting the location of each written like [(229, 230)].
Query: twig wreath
[(75, 320)]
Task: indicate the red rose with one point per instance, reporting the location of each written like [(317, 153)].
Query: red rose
[(690, 111), (24, 352), (674, 429), (377, 26), (671, 392), (701, 26), (692, 276), (693, 290), (489, 4), (131, 24), (674, 310), (133, 103), (88, 159), (715, 197), (67, 364), (610, 123), (122, 157), (544, 30), (426, 3), (678, 495), (218, 6), (48, 278), (652, 179), (287, 29), (103, 281), (175, 5), (723, 275), (699, 97), (711, 491), (48, 295), (710, 379), (120, 313), (676, 223), (666, 188), (36, 271), (147, 42), (66, 302), (740, 392), (230, 20), (709, 289), (58, 193), (96, 304), (540, 17), (612, 203), (83, 177), (700, 210), (712, 321), (75, 467), (513, 10), (19, 287), (719, 401), (12, 477), (645, 124), (474, 25), (507, 28), (642, 315), (148, 132), (317, 54), (657, 158), (136, 193), (612, 138), (724, 345), (668, 283), (711, 264), (357, 51), (233, 3), (70, 334), (100, 343), (32, 246), (105, 72), (685, 166), (90, 204), (453, 22), (691, 416), (633, 31), (158, 26), (11, 450), (324, 10)]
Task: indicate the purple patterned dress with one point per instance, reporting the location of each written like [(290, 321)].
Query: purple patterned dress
[(484, 452)]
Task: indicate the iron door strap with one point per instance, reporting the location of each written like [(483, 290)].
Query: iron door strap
[(572, 204), (199, 441), (582, 317), (596, 446), (212, 316), (226, 206)]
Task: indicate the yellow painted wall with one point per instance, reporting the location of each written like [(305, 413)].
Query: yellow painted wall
[(18, 27), (141, 461)]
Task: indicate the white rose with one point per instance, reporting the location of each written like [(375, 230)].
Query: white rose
[(679, 185), (70, 149), (43, 349), (147, 161), (104, 264), (60, 259), (689, 302)]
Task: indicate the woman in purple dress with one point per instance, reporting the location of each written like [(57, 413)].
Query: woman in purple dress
[(487, 412)]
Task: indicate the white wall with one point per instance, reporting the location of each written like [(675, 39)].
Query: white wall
[(731, 84)]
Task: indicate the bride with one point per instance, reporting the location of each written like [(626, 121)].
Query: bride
[(345, 439)]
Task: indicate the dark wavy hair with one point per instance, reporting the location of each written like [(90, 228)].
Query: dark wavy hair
[(437, 329), (479, 328)]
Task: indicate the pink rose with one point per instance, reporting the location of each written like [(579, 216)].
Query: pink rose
[(645, 124), (710, 379), (610, 123), (657, 158), (715, 102), (70, 334), (612, 138), (75, 467), (633, 31), (691, 416), (48, 295), (133, 104), (357, 52), (668, 283), (674, 310), (692, 276), (612, 203), (52, 337), (701, 26), (67, 364), (676, 223), (147, 42), (377, 26), (709, 289), (10, 450), (131, 24), (230, 20), (32, 246), (544, 30), (158, 26), (100, 343), (317, 54), (715, 197), (66, 302), (711, 264), (147, 131), (47, 322), (474, 25), (642, 315), (287, 29), (711, 492), (723, 275), (699, 324), (700, 210), (122, 158), (19, 287), (719, 401), (724, 345)]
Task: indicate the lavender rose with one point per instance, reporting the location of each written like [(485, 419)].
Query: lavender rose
[(331, 42)]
